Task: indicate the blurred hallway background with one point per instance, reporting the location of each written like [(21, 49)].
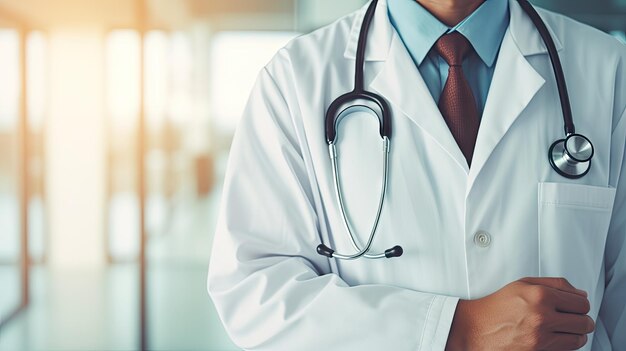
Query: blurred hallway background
[(116, 118)]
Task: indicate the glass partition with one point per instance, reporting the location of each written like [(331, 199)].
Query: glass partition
[(606, 15), (37, 105), (196, 86), (10, 227)]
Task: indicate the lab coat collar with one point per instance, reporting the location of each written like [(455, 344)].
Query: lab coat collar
[(379, 36), (524, 33), (419, 29), (515, 83), (400, 82), (513, 87), (381, 33), (506, 101)]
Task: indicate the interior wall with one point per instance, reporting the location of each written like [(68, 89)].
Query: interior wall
[(49, 13), (311, 14)]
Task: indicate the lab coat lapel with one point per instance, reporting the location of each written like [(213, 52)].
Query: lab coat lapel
[(515, 83), (400, 82)]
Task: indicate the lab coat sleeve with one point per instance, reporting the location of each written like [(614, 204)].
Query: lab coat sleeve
[(271, 289), (612, 317)]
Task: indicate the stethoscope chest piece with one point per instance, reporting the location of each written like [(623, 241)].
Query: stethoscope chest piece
[(571, 157)]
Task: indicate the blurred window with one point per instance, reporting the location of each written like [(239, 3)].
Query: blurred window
[(9, 171), (36, 88), (170, 110), (170, 102), (606, 15), (157, 92), (122, 72), (10, 229), (122, 97), (9, 84)]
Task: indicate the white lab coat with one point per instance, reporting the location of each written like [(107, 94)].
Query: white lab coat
[(274, 292)]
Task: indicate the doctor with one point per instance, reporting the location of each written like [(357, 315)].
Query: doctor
[(491, 244)]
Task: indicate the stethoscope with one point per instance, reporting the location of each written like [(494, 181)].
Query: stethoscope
[(570, 157)]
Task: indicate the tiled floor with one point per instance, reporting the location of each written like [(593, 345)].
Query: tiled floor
[(10, 293), (98, 308)]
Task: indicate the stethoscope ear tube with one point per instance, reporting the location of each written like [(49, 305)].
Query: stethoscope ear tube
[(361, 251)]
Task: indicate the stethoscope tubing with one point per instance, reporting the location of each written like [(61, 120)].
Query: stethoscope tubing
[(359, 68)]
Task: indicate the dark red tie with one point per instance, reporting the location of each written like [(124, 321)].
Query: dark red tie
[(457, 104)]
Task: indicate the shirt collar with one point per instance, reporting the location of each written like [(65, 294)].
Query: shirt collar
[(419, 29)]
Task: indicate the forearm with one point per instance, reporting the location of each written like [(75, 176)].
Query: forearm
[(285, 305)]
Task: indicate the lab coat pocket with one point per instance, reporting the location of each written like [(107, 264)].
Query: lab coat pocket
[(573, 224)]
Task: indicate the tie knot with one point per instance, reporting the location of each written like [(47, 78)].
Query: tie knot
[(453, 48)]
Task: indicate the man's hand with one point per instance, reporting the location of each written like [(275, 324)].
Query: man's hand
[(529, 314)]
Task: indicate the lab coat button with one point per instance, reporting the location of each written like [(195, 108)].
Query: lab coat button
[(482, 239)]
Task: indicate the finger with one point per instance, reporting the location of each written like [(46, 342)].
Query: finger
[(571, 323), (568, 302), (555, 283), (564, 341)]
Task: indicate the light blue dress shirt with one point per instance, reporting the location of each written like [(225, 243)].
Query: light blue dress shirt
[(484, 28)]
